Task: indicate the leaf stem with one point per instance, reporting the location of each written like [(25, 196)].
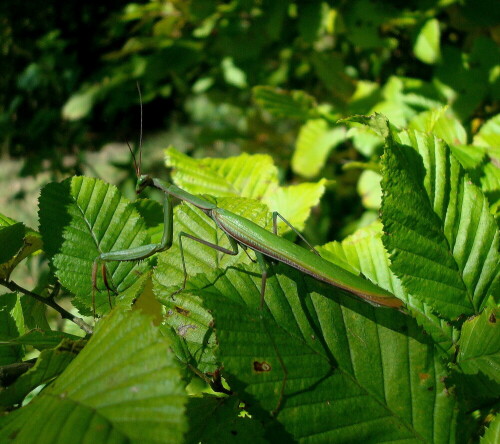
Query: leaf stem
[(11, 285)]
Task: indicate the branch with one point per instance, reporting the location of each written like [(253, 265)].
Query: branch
[(11, 285)]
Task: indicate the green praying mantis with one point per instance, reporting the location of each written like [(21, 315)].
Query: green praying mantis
[(242, 232)]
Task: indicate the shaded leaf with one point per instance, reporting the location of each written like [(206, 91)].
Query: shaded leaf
[(11, 237), (363, 252), (216, 420), (9, 330), (50, 364), (332, 378), (122, 387), (288, 104), (184, 313), (18, 242)]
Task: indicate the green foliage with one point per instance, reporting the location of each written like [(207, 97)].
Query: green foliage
[(267, 104), (18, 242), (81, 218), (315, 363), (107, 393), (180, 53)]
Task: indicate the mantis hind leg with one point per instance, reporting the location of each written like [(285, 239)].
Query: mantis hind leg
[(232, 252), (275, 230), (264, 267)]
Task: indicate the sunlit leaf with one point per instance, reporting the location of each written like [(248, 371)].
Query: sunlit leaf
[(81, 218), (426, 46), (314, 143), (489, 133)]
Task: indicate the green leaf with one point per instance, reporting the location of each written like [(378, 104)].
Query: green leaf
[(442, 239), (426, 46), (480, 345), (18, 242), (80, 104), (363, 252), (489, 134), (492, 434), (295, 203), (50, 364), (442, 125), (365, 140), (232, 74), (81, 218), (254, 177), (217, 420), (342, 357), (468, 155), (8, 330), (330, 70), (310, 18), (184, 313), (245, 175), (11, 238), (152, 213), (369, 189), (123, 386), (314, 143), (288, 104)]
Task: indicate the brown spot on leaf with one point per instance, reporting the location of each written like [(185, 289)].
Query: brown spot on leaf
[(492, 318), (423, 376), (182, 311), (261, 367)]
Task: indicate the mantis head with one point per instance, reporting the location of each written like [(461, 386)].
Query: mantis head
[(143, 181)]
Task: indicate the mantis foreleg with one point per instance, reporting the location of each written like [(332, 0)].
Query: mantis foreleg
[(137, 253)]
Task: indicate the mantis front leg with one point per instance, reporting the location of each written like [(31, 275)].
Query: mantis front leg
[(133, 254)]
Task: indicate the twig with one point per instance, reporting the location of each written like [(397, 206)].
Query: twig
[(11, 285)]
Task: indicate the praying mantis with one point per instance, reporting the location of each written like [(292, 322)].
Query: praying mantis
[(242, 232)]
